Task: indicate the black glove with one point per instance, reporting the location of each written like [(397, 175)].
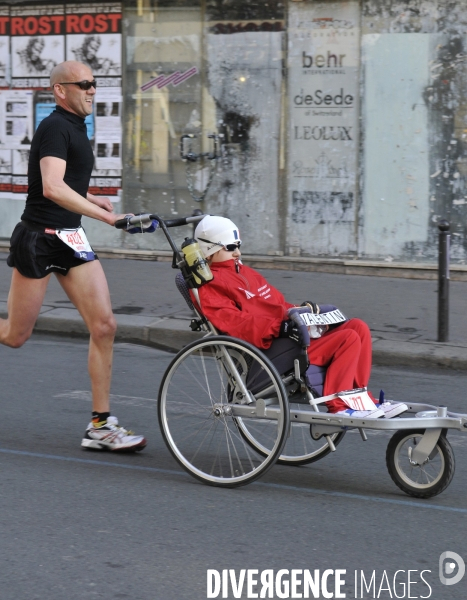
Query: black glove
[(290, 330), (312, 306)]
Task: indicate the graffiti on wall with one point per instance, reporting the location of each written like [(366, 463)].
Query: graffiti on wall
[(447, 109), (322, 207)]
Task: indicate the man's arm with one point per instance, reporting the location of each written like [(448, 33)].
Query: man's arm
[(55, 189), (101, 201)]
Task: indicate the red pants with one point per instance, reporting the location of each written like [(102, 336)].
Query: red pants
[(346, 351)]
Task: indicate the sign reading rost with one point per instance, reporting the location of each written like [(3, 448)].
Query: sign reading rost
[(60, 24)]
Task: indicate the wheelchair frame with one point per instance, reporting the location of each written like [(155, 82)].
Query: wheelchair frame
[(226, 433)]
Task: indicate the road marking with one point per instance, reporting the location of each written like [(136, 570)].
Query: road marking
[(277, 486), (86, 396), (347, 495)]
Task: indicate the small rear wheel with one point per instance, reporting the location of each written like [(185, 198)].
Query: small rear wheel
[(421, 481)]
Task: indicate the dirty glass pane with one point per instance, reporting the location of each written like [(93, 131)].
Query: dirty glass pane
[(162, 40), (246, 86), (201, 75)]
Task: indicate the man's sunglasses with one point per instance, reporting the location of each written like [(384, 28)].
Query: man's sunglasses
[(83, 85)]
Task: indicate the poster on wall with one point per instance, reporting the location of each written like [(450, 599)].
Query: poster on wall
[(323, 66), (35, 38), (108, 130), (4, 47), (5, 75), (44, 104), (37, 44), (4, 60), (16, 128), (94, 37), (5, 171), (96, 51), (19, 178)]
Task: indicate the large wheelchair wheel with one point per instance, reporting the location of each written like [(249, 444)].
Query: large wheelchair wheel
[(421, 481), (300, 448), (197, 399)]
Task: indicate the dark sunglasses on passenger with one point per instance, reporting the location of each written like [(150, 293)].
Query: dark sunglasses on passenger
[(232, 247)]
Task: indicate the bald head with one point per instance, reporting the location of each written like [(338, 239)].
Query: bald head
[(70, 70), (73, 98)]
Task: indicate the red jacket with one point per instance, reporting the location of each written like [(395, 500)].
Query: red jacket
[(243, 304)]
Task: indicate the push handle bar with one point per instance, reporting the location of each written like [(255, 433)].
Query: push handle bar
[(183, 221), (146, 218)]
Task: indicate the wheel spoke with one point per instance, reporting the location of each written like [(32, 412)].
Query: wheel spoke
[(194, 405)]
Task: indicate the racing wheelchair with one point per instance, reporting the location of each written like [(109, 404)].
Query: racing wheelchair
[(229, 411)]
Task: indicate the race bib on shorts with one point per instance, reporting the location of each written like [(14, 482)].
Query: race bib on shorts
[(357, 399), (76, 239)]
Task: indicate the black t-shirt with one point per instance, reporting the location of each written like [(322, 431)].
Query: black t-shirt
[(62, 134)]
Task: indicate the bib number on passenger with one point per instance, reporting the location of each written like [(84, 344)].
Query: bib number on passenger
[(360, 400), (330, 318), (76, 239)]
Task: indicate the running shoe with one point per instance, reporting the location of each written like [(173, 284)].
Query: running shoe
[(392, 409), (111, 436), (362, 414)]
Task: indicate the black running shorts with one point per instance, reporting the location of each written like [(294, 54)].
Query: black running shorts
[(36, 254)]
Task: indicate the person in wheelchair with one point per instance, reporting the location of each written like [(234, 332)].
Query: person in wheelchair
[(240, 302)]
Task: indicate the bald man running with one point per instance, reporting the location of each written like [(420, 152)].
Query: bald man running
[(49, 239)]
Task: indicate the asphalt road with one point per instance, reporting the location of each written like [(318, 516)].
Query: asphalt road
[(77, 525)]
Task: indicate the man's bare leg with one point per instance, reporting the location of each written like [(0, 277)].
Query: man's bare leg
[(24, 304), (86, 287)]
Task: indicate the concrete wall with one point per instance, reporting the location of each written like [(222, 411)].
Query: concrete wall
[(414, 121), (395, 166)]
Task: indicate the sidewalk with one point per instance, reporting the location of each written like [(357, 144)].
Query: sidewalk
[(402, 313)]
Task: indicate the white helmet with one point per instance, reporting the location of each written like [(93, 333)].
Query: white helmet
[(214, 233)]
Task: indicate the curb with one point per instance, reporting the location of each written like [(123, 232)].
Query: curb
[(162, 333), (419, 354), (173, 334), (337, 266)]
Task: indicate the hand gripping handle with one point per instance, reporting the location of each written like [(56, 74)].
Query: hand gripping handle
[(134, 220)]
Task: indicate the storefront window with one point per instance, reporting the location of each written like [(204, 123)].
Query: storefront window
[(204, 69)]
